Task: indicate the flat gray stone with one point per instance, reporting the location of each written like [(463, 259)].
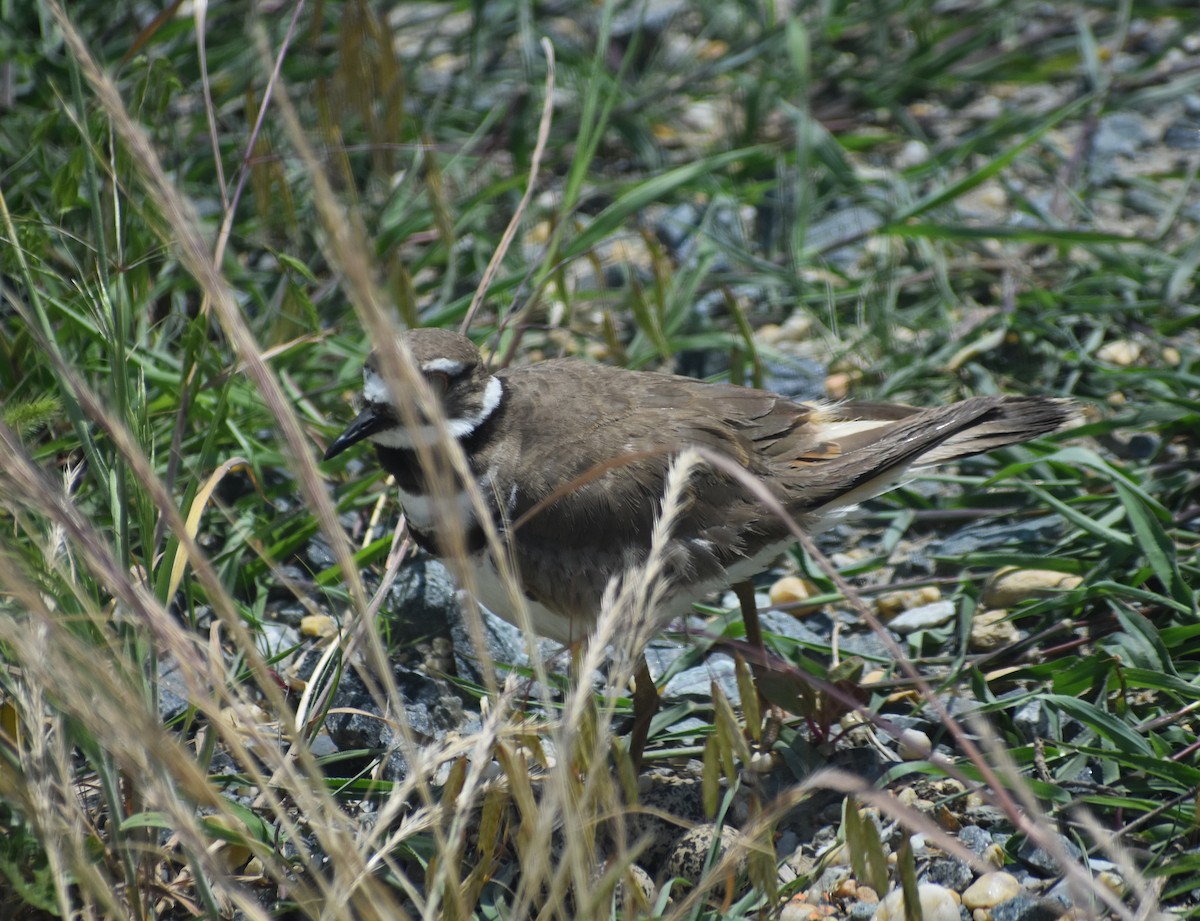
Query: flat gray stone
[(926, 617)]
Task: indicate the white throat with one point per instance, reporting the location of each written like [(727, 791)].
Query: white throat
[(460, 427)]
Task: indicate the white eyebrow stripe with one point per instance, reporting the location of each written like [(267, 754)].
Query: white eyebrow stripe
[(459, 427), (375, 387), (443, 366)]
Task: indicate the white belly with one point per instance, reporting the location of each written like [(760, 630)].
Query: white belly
[(482, 580), (490, 591)]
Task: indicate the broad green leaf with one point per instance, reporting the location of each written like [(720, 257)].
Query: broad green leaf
[(1154, 543), (1104, 723)]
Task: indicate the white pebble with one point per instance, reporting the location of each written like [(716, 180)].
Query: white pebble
[(926, 617), (937, 904), (914, 745), (990, 890)]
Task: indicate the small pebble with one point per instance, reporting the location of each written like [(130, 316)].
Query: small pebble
[(1122, 352), (793, 589), (947, 819), (800, 911), (318, 626), (1009, 586), (992, 630), (846, 889), (995, 855), (867, 894), (926, 617), (761, 763), (838, 384), (937, 904), (974, 838), (835, 857), (1112, 882), (913, 153), (990, 890), (914, 745), (951, 873), (889, 604), (949, 787)]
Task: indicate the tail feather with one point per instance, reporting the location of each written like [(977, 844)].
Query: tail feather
[(874, 458), (1007, 421)]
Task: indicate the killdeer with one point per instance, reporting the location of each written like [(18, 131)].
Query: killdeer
[(608, 435)]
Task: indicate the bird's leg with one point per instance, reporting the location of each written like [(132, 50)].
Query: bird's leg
[(745, 597), (645, 705), (758, 663)]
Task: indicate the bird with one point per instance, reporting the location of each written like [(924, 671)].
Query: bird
[(571, 460)]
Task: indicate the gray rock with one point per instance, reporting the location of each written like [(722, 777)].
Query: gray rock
[(842, 234), (677, 227), (697, 681), (1032, 721), (686, 229), (661, 656), (276, 638), (974, 838), (786, 843), (653, 17), (869, 645), (1025, 908), (283, 590), (172, 691), (986, 816), (806, 630), (424, 603), (431, 709), (689, 726), (319, 554), (792, 376), (904, 721), (1027, 534), (949, 872), (1121, 134), (1144, 446), (1039, 859), (1183, 135), (817, 629), (926, 617)]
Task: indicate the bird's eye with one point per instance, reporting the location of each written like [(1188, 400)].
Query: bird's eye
[(439, 381)]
